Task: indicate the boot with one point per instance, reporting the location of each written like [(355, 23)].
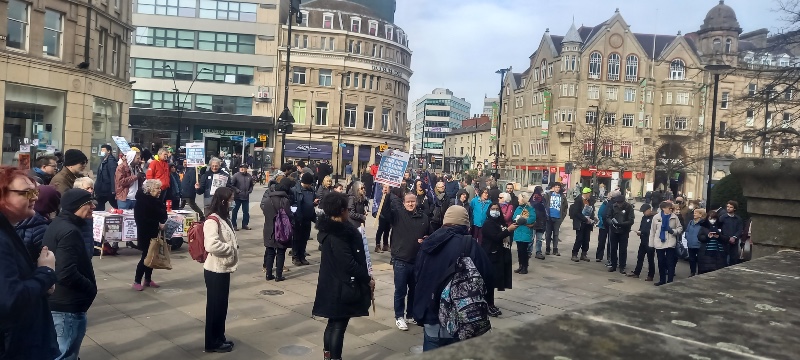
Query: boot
[(584, 257), (524, 270), (279, 273), (574, 258), (377, 249), (519, 270)]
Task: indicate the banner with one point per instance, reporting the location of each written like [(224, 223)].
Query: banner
[(122, 144), (495, 113), (545, 128), (195, 154), (392, 167)]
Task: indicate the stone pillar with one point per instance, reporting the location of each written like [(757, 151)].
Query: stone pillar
[(772, 188)]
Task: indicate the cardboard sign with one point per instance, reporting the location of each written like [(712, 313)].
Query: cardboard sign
[(195, 154), (113, 226), (392, 168), (129, 229), (122, 144)]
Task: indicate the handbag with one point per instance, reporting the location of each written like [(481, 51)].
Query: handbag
[(158, 255), (746, 251)]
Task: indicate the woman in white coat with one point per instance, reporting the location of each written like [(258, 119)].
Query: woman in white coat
[(665, 231)]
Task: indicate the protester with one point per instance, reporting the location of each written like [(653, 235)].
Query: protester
[(105, 190), (74, 163), (305, 200), (466, 184), (324, 170), (147, 156), (348, 170), (693, 229), (223, 257), (540, 225), (159, 170), (644, 244), (126, 180), (76, 287), (208, 185), (664, 234), (150, 215), (525, 216), (26, 282), (369, 181), (514, 199), (436, 256), (174, 186), (583, 219), (683, 211), (357, 204), (619, 219), (325, 188), (242, 181), (451, 186), (404, 214), (384, 225), (497, 244), (506, 209), (338, 188), (602, 231), (271, 203), (424, 197), (494, 191), (462, 199), (439, 206), (86, 183), (732, 227), (44, 170), (32, 229), (712, 255), (480, 207), (344, 286), (556, 204)]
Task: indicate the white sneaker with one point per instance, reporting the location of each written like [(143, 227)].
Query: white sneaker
[(401, 324), (411, 321)]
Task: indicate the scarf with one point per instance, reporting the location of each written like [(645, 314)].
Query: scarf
[(664, 227)]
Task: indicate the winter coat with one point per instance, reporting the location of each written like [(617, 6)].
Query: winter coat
[(437, 253), (541, 216), (494, 234), (31, 231), (369, 182), (304, 200), (242, 183), (76, 287), (494, 194), (159, 169), (655, 232), (188, 181), (123, 179), (64, 180), (507, 212), (546, 199), (322, 191), (524, 233), (87, 233), (470, 192), (343, 268), (206, 180), (731, 226), (576, 213), (41, 177), (514, 200), (601, 215), (451, 188), (623, 214), (465, 205), (693, 230), (174, 192), (480, 209), (440, 205), (148, 213), (270, 203), (104, 181), (712, 255), (357, 208), (415, 225), (221, 244), (26, 325)]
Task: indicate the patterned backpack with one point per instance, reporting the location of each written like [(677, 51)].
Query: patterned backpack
[(463, 310)]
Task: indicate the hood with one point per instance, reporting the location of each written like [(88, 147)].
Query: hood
[(130, 156), (436, 241), (341, 229)]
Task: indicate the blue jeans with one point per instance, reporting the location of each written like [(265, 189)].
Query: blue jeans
[(432, 343), (538, 236), (70, 329), (245, 205), (126, 204), (404, 283)]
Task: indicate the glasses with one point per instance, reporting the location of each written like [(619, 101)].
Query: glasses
[(29, 193)]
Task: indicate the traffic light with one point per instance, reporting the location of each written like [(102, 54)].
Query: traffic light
[(295, 6), (568, 167)]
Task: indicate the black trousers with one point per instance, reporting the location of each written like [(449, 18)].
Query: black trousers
[(218, 286), (302, 232), (602, 236), (333, 340), (582, 239), (102, 199), (522, 253), (693, 253), (645, 249), (384, 227), (141, 269), (270, 255), (619, 248), (193, 204), (666, 264)]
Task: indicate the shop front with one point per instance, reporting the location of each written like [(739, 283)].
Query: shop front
[(364, 157), (296, 150), (540, 175), (610, 179)]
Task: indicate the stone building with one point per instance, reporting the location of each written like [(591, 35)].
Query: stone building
[(64, 75), (349, 82), (468, 147), (635, 109)]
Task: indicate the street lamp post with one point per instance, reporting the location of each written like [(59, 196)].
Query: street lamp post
[(311, 128), (285, 120), (716, 69), (181, 103), (502, 73), (339, 130), (422, 141), (595, 187)]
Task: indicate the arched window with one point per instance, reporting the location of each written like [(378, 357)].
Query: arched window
[(717, 47), (728, 46), (613, 67), (543, 71), (677, 69), (632, 68), (595, 64)]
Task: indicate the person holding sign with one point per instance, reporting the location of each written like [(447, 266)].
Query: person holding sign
[(214, 178)]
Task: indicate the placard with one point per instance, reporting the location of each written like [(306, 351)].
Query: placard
[(195, 154), (25, 148), (366, 248), (172, 225), (392, 168), (129, 229), (24, 161), (122, 144), (113, 226), (218, 181), (50, 149), (98, 222)]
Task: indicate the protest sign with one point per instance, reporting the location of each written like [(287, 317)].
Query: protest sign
[(218, 181), (171, 227), (392, 167), (25, 148), (122, 144), (113, 226), (195, 154), (129, 229)]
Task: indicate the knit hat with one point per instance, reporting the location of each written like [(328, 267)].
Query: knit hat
[(49, 199), (645, 207), (587, 190), (456, 215), (307, 178), (73, 199), (74, 157)]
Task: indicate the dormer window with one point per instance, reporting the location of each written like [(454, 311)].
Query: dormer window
[(327, 21), (728, 46), (677, 70), (373, 28), (784, 60), (355, 25), (389, 32)]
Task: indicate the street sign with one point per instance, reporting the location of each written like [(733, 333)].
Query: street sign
[(382, 147), (262, 137), (251, 140), (236, 138)]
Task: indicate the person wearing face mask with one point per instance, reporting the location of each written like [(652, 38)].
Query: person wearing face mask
[(664, 233), (497, 244), (695, 226), (619, 219), (104, 189), (711, 255)]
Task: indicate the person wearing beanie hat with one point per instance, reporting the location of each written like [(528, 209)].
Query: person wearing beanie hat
[(76, 287), (126, 180), (31, 230), (74, 163), (242, 183), (305, 199), (619, 219), (644, 244), (436, 254)]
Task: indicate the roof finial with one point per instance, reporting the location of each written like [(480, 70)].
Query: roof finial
[(547, 30), (722, 2), (617, 10)]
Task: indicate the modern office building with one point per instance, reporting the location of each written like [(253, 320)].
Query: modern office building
[(349, 82), (205, 70), (488, 104), (435, 115), (64, 80)]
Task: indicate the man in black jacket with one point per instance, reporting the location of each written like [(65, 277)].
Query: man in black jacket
[(104, 188), (619, 219), (76, 287), (403, 214), (305, 200), (731, 226), (644, 245), (514, 198)]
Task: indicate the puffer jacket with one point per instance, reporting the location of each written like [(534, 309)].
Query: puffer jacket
[(655, 232), (159, 169), (524, 233), (693, 230), (31, 231)]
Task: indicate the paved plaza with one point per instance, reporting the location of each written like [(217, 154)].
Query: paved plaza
[(269, 320)]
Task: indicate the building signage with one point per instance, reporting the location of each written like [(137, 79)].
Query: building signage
[(386, 70), (224, 132), (264, 94), (437, 129)]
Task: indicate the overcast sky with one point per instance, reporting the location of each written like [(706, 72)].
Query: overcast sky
[(459, 44)]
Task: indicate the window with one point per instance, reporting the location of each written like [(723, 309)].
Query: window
[(321, 118), (224, 104), (389, 32), (751, 89), (327, 21), (244, 44), (677, 70), (748, 147), (630, 94), (591, 117), (550, 70), (299, 75), (356, 78), (750, 118), (385, 114), (625, 149), (299, 111), (230, 74), (115, 55), (595, 64), (627, 120), (787, 120), (304, 22), (53, 30), (101, 50), (728, 46), (787, 94), (355, 25), (543, 72), (350, 115), (632, 68), (610, 119), (669, 98), (668, 123), (612, 93), (724, 102), (588, 148), (364, 81), (325, 77), (396, 122), (682, 98), (769, 119), (608, 148), (369, 117), (149, 68), (156, 99), (613, 67), (228, 10), (184, 8), (373, 28), (783, 61), (649, 96), (594, 92), (681, 123), (166, 38)]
